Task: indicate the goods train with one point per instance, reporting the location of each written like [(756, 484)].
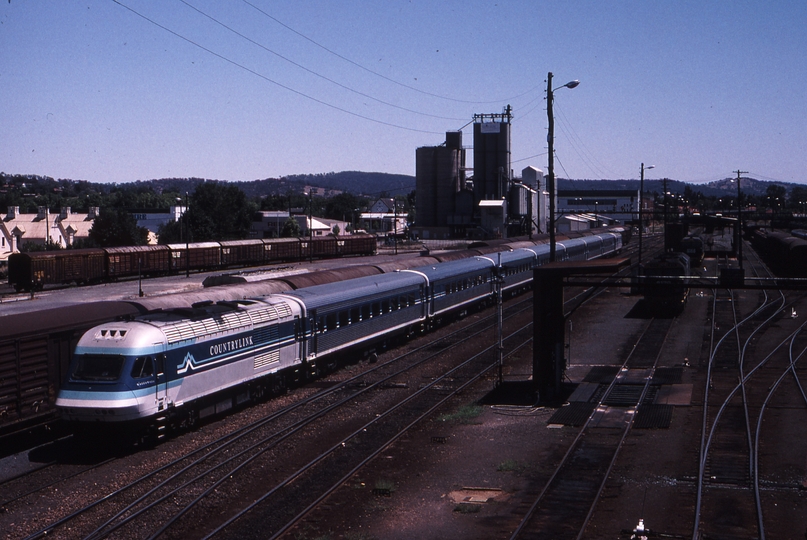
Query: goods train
[(30, 271), (168, 369), (785, 253)]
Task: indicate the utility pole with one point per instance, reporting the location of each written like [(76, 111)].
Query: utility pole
[(550, 139), (550, 179), (395, 224), (187, 245), (310, 226), (499, 282), (739, 221), (664, 228)]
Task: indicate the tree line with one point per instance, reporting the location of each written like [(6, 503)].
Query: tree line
[(214, 210)]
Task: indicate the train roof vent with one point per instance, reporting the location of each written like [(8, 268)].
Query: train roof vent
[(110, 333), (226, 322), (264, 315)]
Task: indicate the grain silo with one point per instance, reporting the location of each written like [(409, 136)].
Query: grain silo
[(491, 155), (439, 177)]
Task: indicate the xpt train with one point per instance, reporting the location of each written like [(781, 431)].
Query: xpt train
[(168, 369)]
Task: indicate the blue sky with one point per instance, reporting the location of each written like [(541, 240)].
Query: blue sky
[(243, 90)]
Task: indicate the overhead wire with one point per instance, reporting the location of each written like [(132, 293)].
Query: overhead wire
[(382, 76), (264, 77), (312, 72), (579, 146)]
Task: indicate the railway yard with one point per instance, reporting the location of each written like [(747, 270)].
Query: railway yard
[(692, 425)]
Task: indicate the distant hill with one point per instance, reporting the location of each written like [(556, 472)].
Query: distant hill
[(355, 182), (719, 188), (371, 184)]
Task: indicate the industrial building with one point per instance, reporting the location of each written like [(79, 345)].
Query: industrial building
[(492, 203)]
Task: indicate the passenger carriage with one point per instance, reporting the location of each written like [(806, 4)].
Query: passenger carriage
[(340, 316)]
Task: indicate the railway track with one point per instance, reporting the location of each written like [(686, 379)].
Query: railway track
[(563, 506), (188, 482), (745, 371), (162, 487)]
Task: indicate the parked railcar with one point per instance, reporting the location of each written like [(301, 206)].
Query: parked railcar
[(28, 271), (35, 352), (133, 260), (196, 257), (355, 244), (282, 249), (664, 281), (693, 247), (242, 253)]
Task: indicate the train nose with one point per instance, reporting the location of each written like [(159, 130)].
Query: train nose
[(98, 406)]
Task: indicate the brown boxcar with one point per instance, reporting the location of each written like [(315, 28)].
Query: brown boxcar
[(356, 244), (134, 260), (34, 270), (242, 252), (281, 249), (318, 247), (195, 256)]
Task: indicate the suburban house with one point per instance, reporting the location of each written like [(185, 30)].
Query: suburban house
[(64, 228)]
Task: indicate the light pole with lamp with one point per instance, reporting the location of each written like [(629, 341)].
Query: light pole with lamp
[(187, 243), (641, 204), (550, 139), (596, 218)]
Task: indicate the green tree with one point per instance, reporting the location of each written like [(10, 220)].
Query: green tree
[(798, 198), (50, 245), (117, 227), (218, 211), (290, 228), (775, 196)]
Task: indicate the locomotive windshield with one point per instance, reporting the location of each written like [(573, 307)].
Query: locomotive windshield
[(97, 367)]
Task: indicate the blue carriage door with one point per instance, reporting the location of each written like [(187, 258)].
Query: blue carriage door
[(313, 329), (161, 380)]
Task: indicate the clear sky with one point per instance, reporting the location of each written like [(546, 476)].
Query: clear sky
[(111, 91)]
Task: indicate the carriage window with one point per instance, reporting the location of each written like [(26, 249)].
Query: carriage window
[(377, 309), (143, 367), (344, 318), (354, 315), (321, 324), (412, 299), (385, 306), (365, 312), (396, 305), (330, 321)]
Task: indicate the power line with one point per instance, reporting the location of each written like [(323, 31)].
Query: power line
[(312, 71), (264, 77), (368, 70)]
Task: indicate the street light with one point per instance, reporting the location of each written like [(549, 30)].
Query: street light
[(187, 245), (550, 139), (641, 201)]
